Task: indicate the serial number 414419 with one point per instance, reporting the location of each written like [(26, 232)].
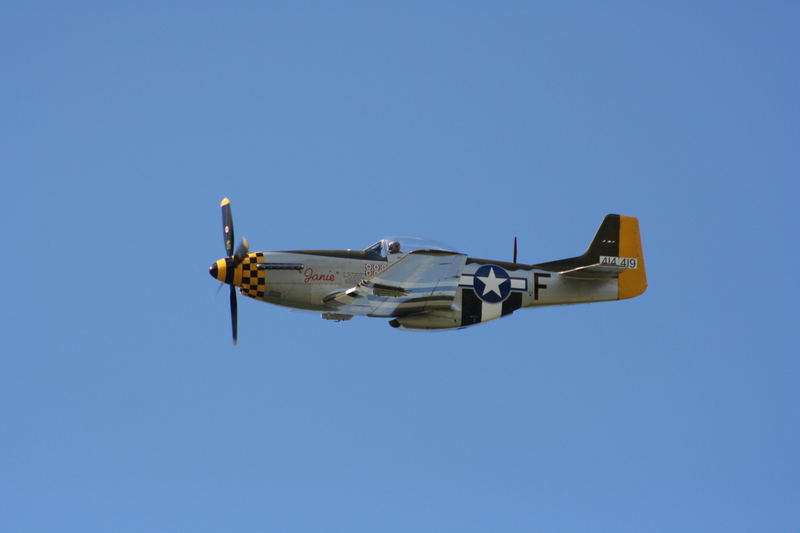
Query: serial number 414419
[(624, 262)]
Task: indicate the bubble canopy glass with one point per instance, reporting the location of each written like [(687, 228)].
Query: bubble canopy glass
[(407, 244)]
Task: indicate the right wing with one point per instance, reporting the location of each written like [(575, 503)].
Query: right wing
[(421, 281)]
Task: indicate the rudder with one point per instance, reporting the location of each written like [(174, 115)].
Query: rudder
[(633, 281)]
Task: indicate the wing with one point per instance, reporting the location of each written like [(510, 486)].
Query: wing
[(423, 280)]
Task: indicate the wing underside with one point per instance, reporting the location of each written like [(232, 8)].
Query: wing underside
[(423, 280)]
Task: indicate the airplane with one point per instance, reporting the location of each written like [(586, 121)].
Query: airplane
[(424, 285)]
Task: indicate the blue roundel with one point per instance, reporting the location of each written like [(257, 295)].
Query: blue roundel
[(492, 284)]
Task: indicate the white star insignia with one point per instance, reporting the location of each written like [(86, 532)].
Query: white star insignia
[(492, 283)]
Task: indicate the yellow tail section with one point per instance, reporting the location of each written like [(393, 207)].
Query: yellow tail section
[(632, 281)]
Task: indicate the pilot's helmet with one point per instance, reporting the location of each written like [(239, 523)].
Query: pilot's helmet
[(394, 247)]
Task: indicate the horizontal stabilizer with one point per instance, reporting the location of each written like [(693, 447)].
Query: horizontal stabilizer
[(595, 271), (607, 267)]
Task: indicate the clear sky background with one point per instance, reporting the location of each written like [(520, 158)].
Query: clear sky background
[(123, 404)]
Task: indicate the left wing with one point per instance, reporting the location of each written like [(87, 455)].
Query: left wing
[(421, 281)]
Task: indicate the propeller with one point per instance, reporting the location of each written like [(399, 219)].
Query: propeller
[(515, 249), (227, 226), (234, 258)]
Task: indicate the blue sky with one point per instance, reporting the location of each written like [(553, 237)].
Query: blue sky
[(123, 405)]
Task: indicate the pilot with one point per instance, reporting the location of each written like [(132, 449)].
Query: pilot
[(394, 247)]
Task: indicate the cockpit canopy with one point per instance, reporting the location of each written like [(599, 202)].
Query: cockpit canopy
[(403, 245)]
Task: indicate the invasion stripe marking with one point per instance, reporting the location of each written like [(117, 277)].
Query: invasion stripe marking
[(512, 303), (471, 307), (491, 311)]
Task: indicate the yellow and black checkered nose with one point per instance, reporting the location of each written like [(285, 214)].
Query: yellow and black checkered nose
[(251, 278), (246, 275)]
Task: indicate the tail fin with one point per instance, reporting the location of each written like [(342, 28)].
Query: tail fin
[(615, 251), (606, 241)]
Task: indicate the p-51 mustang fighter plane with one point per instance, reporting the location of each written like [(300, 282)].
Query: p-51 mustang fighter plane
[(423, 285)]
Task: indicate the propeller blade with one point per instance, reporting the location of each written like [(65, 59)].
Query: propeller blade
[(227, 226), (234, 314), (515, 249), (241, 252)]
